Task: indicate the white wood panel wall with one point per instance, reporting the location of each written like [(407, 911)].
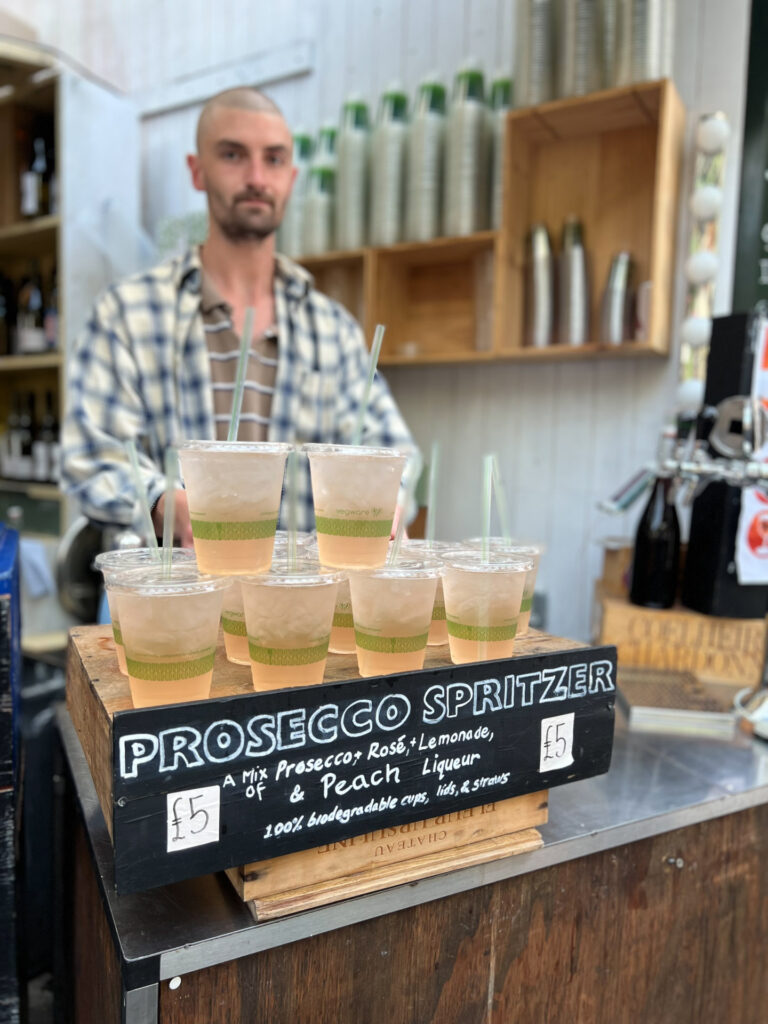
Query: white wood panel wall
[(567, 434)]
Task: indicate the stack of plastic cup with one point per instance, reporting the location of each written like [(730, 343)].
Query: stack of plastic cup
[(233, 491), (169, 623), (392, 610), (438, 629), (519, 549), (482, 603), (288, 616), (354, 490), (112, 563)]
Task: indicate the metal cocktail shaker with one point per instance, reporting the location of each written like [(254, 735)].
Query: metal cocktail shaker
[(540, 289), (614, 313), (574, 289)]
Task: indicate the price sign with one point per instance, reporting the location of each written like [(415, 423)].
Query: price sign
[(265, 774), (193, 818), (556, 742)]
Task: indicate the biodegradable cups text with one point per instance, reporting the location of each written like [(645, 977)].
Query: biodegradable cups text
[(288, 616), (392, 610), (233, 490), (112, 563), (169, 624), (482, 603), (354, 490)]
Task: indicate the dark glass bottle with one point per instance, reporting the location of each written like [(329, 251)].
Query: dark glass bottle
[(25, 467), (657, 549)]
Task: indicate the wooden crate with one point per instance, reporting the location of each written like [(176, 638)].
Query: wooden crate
[(725, 650), (462, 821), (391, 856), (612, 160)]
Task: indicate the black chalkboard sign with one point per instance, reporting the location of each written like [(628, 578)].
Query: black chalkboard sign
[(203, 786)]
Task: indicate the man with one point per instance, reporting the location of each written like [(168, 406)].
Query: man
[(157, 359)]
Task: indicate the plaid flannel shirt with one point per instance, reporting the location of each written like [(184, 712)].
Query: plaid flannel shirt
[(141, 371)]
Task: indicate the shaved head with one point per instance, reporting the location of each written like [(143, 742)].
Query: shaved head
[(242, 98), (244, 164)]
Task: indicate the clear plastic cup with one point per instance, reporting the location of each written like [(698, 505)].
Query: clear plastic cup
[(354, 490), (524, 550), (232, 614), (438, 629), (170, 626), (112, 563), (233, 490), (288, 616), (392, 609), (343, 628), (482, 603)]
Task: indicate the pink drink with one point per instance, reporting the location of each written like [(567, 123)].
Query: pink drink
[(438, 628), (354, 490), (288, 616), (521, 550), (343, 630), (111, 563), (169, 625), (482, 603), (233, 489), (392, 608)]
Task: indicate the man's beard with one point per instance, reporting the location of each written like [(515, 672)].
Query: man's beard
[(242, 229)]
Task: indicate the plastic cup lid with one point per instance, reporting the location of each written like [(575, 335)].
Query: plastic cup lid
[(239, 447)]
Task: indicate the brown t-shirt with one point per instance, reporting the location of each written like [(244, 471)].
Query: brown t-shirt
[(223, 352)]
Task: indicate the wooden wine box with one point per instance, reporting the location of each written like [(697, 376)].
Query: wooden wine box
[(313, 794), (678, 639)]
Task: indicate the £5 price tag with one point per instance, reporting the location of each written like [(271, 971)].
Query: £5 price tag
[(193, 817), (556, 742)]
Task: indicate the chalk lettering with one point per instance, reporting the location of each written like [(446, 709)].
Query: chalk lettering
[(223, 741), (140, 748), (179, 746), (487, 696)]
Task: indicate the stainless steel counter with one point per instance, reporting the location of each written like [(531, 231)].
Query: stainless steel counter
[(656, 784)]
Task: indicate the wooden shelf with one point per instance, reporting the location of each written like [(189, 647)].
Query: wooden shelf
[(611, 158), (574, 353), (33, 489), (30, 238), (38, 361)]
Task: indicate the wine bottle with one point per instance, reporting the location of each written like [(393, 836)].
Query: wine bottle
[(657, 543), (7, 315), (51, 314), (34, 182), (49, 436), (25, 465), (11, 446), (30, 336)]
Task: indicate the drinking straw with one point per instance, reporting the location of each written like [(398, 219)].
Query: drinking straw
[(171, 473), (432, 494), (378, 338), (411, 475), (141, 497), (487, 496), (237, 397), (502, 509), (292, 511)]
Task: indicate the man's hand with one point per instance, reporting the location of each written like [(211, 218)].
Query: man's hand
[(182, 528)]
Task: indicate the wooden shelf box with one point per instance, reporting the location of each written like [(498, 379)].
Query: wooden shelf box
[(612, 160)]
